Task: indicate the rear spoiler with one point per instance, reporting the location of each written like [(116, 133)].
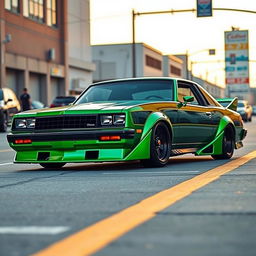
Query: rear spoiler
[(230, 103)]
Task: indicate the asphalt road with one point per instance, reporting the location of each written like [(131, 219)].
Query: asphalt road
[(39, 208)]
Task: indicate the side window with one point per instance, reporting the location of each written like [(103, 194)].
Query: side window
[(185, 90)]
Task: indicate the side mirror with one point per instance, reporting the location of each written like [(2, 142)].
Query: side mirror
[(186, 100)]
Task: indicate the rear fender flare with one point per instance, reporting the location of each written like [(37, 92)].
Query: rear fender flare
[(216, 143)]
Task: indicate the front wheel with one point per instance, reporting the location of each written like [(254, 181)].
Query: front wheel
[(228, 145), (52, 165), (160, 146)]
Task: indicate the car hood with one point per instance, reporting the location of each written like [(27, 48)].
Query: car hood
[(99, 106)]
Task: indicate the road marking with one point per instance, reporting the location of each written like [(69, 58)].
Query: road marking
[(33, 230), (6, 150), (102, 233), (156, 172), (6, 163)]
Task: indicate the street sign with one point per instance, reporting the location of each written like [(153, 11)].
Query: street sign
[(204, 8), (237, 63)]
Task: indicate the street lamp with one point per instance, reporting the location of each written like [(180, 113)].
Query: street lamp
[(190, 63)]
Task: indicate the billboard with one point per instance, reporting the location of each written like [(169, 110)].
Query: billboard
[(237, 63), (204, 8)]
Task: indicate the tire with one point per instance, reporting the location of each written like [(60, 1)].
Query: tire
[(160, 146), (3, 123), (228, 145), (250, 119), (52, 165)]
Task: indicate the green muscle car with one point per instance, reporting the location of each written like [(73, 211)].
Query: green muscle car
[(146, 119)]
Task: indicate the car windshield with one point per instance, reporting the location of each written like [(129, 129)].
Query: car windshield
[(240, 104), (146, 90), (1, 95)]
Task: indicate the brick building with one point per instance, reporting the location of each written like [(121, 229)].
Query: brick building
[(33, 42)]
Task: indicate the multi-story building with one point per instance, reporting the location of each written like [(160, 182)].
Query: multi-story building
[(115, 61), (45, 46), (80, 59), (34, 47)]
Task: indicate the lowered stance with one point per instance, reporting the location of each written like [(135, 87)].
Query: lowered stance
[(147, 119)]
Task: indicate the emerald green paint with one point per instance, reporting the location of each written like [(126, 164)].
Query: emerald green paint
[(152, 120), (142, 151), (217, 142)]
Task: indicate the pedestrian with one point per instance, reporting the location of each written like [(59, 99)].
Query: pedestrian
[(25, 100)]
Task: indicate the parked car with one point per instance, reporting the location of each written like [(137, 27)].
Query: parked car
[(9, 105), (146, 119), (245, 110), (254, 110), (37, 104), (60, 101)]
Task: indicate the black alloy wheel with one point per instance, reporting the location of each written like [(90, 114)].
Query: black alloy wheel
[(52, 165), (160, 146), (228, 145)]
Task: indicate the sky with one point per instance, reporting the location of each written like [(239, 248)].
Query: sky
[(111, 22)]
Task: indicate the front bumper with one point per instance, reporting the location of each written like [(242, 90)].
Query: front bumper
[(77, 146)]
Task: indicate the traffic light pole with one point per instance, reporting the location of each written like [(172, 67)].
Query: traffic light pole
[(134, 14)]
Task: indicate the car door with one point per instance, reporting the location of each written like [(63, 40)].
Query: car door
[(195, 127)]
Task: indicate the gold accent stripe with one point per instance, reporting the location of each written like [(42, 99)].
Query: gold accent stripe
[(102, 233)]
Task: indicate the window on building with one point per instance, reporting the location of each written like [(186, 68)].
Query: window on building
[(174, 70), (34, 9), (12, 5), (154, 63), (51, 13)]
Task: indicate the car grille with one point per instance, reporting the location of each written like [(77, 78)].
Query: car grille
[(66, 122)]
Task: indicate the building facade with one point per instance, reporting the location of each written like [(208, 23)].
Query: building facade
[(34, 47), (45, 47), (115, 61), (172, 66), (81, 66)]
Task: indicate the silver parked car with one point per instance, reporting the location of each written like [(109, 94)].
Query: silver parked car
[(245, 110)]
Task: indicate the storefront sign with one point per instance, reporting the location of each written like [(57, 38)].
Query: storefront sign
[(237, 63)]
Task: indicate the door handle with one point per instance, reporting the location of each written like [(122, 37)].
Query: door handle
[(208, 113)]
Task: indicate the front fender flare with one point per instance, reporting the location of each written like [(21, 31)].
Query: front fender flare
[(142, 150)]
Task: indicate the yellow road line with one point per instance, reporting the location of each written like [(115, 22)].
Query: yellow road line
[(100, 234), (5, 150)]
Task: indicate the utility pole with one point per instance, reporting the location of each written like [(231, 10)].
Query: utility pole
[(133, 45), (134, 14)]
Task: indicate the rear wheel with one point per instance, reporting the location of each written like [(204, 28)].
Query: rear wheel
[(160, 146), (52, 165), (228, 145)]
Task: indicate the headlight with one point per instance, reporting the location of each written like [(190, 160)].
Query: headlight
[(119, 119), (113, 119), (25, 123), (106, 120), (31, 123)]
